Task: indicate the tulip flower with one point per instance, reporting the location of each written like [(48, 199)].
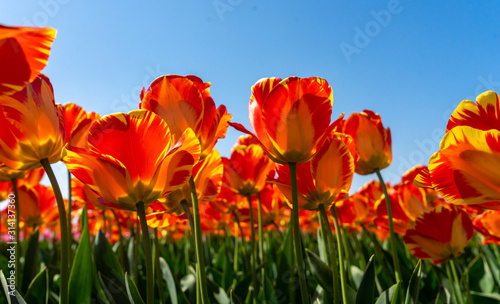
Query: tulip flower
[(77, 124), (481, 115), (132, 160), (185, 102), (440, 234), (39, 205), (373, 141), (488, 224), (32, 126), (24, 52)]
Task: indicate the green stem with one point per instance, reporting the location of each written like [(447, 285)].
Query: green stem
[(341, 254), (150, 291), (391, 228), (243, 241), (136, 252), (296, 235), (236, 256), (200, 258), (159, 276), (123, 253), (18, 241), (70, 234), (359, 249), (252, 251), (63, 223), (455, 265), (261, 243), (453, 284), (332, 251)]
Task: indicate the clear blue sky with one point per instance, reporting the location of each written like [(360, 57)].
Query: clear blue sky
[(410, 61)]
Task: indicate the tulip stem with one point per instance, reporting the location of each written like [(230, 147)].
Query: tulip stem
[(296, 235), (63, 223), (150, 292), (252, 250), (455, 265), (200, 258), (261, 243), (453, 284), (392, 236), (159, 275), (18, 244), (70, 235), (341, 254), (331, 251)]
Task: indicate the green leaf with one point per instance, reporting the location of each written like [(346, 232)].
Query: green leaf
[(105, 258), (234, 298), (38, 291), (5, 287), (80, 279), (366, 290), (115, 292), (481, 297), (414, 286), (217, 293), (30, 261), (169, 278), (398, 296), (357, 275), (387, 295), (268, 295), (321, 272), (19, 298), (132, 292)]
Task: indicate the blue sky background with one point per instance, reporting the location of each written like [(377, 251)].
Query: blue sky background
[(410, 61)]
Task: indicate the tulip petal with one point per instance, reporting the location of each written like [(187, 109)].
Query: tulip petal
[(483, 115)]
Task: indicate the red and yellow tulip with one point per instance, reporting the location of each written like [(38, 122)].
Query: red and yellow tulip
[(24, 52)]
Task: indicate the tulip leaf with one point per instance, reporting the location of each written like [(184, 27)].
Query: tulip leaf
[(398, 296), (481, 297), (19, 298), (169, 278), (321, 272), (366, 290), (38, 291), (267, 294), (387, 295), (116, 293), (80, 279), (414, 286), (357, 275), (132, 292), (31, 261), (5, 287)]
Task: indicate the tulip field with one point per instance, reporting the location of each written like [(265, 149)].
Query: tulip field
[(154, 214)]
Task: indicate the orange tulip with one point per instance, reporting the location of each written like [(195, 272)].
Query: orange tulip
[(77, 124), (488, 224), (373, 142), (324, 179), (290, 117), (24, 52), (353, 211), (463, 171), (482, 114), (39, 205), (246, 170), (185, 102), (440, 234), (32, 126), (400, 219), (133, 158)]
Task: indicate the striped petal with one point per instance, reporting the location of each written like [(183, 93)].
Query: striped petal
[(464, 170), (483, 115), (24, 52)]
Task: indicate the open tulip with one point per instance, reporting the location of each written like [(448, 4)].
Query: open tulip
[(440, 234), (290, 117), (24, 52), (488, 224), (185, 102), (32, 126), (77, 124)]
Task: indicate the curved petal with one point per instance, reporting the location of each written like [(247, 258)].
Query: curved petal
[(483, 115), (464, 171), (24, 52)]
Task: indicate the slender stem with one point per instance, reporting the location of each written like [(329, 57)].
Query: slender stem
[(189, 214), (359, 249), (236, 256), (243, 240), (261, 243), (150, 291), (452, 284), (341, 254), (123, 253), (332, 251), (324, 238), (455, 265), (159, 276), (296, 235), (391, 227), (136, 252), (70, 234), (252, 249), (200, 258), (18, 244), (64, 275)]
